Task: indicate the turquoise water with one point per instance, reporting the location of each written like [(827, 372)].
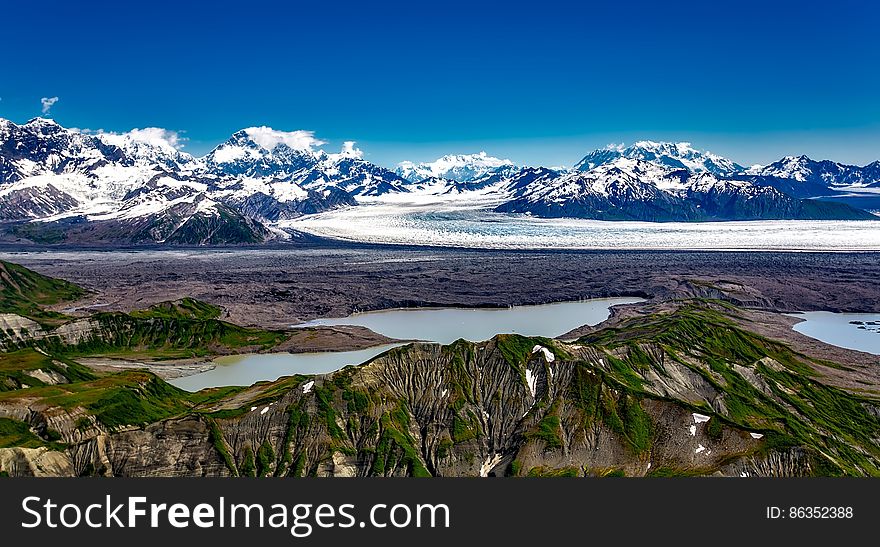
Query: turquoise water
[(443, 325), (842, 329)]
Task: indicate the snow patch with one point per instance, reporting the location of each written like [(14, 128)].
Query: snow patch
[(699, 449), (307, 387), (531, 380), (700, 418), (547, 353), (491, 461), (265, 410), (693, 430), (756, 435)]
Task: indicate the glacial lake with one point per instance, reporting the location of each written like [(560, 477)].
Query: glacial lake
[(859, 331), (443, 325)]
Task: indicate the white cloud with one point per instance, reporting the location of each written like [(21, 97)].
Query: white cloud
[(85, 130), (47, 103), (153, 136), (349, 150), (269, 138), (228, 154)]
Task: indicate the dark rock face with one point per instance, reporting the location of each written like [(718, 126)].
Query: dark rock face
[(28, 203), (47, 143), (167, 449), (712, 206), (260, 205), (662, 208)]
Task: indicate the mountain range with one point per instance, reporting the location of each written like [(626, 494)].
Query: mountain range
[(60, 185)]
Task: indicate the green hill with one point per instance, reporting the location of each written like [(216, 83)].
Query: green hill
[(24, 292)]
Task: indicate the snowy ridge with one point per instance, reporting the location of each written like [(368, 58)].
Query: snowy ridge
[(459, 168), (621, 178), (824, 173), (49, 173), (677, 155)]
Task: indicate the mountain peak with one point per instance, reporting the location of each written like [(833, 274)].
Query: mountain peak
[(680, 155), (268, 138), (795, 159), (254, 144), (42, 121), (821, 173), (43, 124), (681, 146), (457, 167)]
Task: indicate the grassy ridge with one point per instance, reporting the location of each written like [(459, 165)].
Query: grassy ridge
[(21, 368), (799, 410), (16, 434), (132, 397), (24, 292), (165, 335), (168, 330), (185, 308)]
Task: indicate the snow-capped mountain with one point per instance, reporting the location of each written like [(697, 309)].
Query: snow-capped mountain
[(635, 189), (42, 146), (60, 184), (671, 154), (803, 169), (54, 171), (262, 152), (458, 167), (354, 175), (54, 175), (805, 177), (148, 147)]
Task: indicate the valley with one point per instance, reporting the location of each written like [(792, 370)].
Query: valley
[(704, 377)]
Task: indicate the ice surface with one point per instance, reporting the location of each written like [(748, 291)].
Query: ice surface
[(427, 224)]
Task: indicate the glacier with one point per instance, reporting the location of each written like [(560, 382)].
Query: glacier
[(479, 228)]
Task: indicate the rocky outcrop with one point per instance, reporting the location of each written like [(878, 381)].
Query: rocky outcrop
[(21, 330), (35, 462)]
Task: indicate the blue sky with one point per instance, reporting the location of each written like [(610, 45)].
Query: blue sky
[(540, 83)]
